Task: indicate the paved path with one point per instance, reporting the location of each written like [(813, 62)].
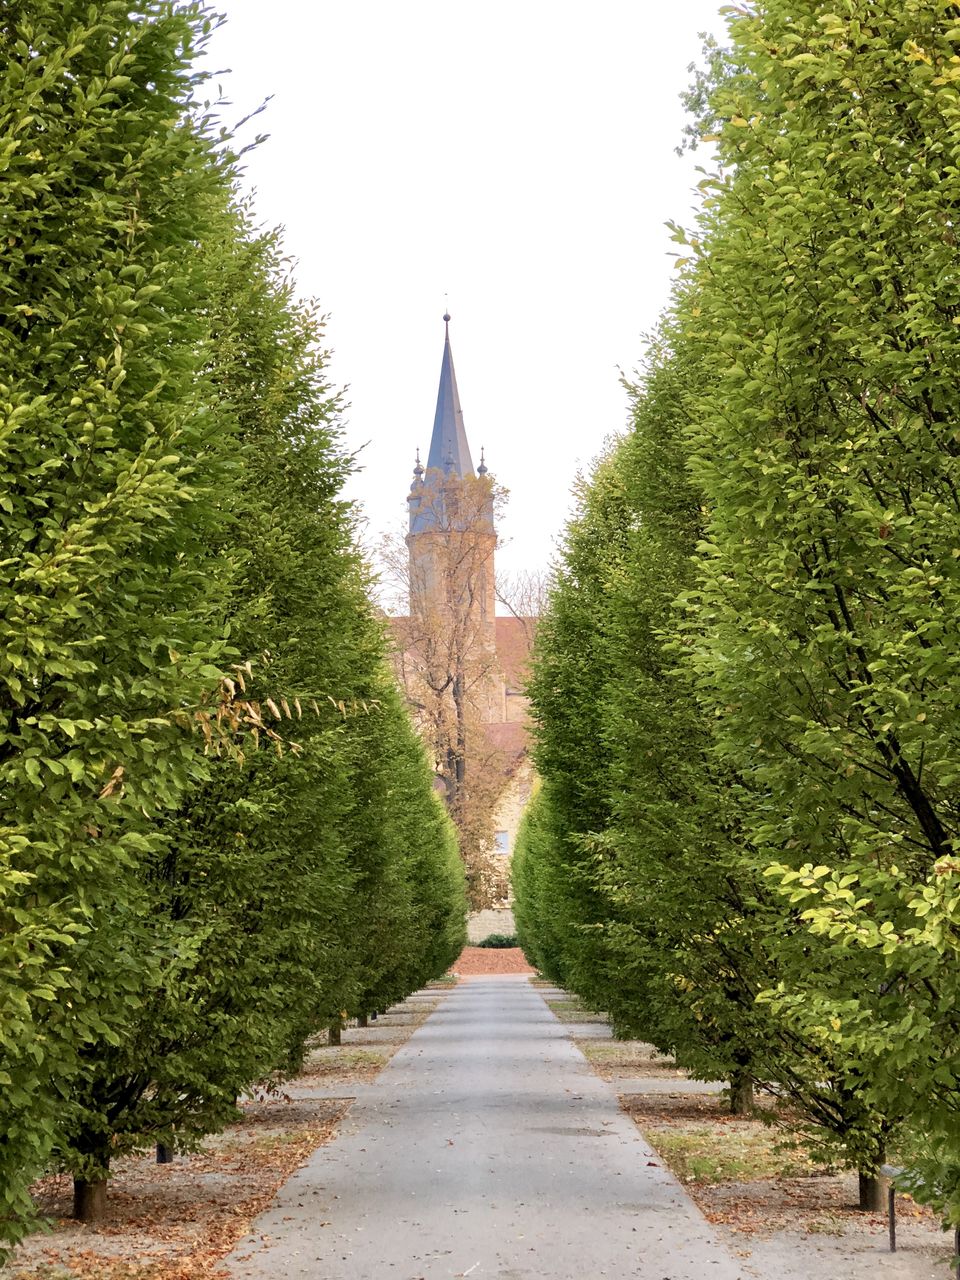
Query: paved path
[(487, 1148)]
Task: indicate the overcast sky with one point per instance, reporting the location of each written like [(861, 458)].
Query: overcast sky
[(513, 160)]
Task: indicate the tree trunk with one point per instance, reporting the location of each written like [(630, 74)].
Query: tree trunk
[(362, 1020), (164, 1153), (335, 1026), (872, 1199), (89, 1199), (741, 1092)]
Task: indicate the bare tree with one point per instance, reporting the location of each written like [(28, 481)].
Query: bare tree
[(446, 655), (524, 594)]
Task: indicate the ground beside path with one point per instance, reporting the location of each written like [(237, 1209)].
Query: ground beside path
[(176, 1221), (778, 1211), (487, 1148)]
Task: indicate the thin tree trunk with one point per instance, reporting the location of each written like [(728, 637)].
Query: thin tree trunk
[(89, 1199), (362, 1020), (872, 1199), (335, 1027), (741, 1092), (164, 1153)]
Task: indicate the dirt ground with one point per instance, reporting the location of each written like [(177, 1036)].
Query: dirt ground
[(475, 961), (782, 1215), (176, 1221), (615, 1060)]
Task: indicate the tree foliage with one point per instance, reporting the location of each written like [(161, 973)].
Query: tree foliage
[(218, 827), (570, 670), (828, 315), (784, 749), (111, 455)]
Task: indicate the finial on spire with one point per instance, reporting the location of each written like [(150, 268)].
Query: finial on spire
[(482, 470), (418, 469)]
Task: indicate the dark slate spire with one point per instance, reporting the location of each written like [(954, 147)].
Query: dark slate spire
[(449, 450)]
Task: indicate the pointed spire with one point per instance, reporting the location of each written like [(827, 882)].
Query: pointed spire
[(449, 451), (483, 469)]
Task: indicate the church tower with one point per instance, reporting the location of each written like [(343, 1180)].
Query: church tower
[(452, 537), (461, 667)]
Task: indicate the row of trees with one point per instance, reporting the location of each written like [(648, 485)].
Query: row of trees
[(748, 681), (218, 830)]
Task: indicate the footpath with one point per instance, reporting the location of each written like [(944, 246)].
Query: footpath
[(485, 1149)]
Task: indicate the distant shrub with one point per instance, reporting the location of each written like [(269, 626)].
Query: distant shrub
[(499, 940)]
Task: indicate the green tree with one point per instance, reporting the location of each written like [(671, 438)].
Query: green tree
[(290, 882), (540, 928), (692, 920), (827, 316), (407, 922), (569, 673), (659, 914), (111, 453), (686, 921), (237, 910)]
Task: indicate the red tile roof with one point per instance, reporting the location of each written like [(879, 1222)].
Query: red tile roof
[(514, 638)]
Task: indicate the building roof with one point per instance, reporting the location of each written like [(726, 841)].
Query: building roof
[(514, 637), (449, 451), (434, 503), (511, 739)]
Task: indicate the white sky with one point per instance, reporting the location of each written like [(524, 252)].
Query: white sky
[(515, 155)]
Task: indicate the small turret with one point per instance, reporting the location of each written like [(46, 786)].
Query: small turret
[(414, 497)]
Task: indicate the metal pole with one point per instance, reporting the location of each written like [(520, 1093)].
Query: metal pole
[(892, 1216)]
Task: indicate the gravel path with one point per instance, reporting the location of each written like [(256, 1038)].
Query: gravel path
[(487, 1148)]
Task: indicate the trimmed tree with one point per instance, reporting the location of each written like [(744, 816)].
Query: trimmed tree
[(657, 910), (287, 886), (827, 315), (111, 453)]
